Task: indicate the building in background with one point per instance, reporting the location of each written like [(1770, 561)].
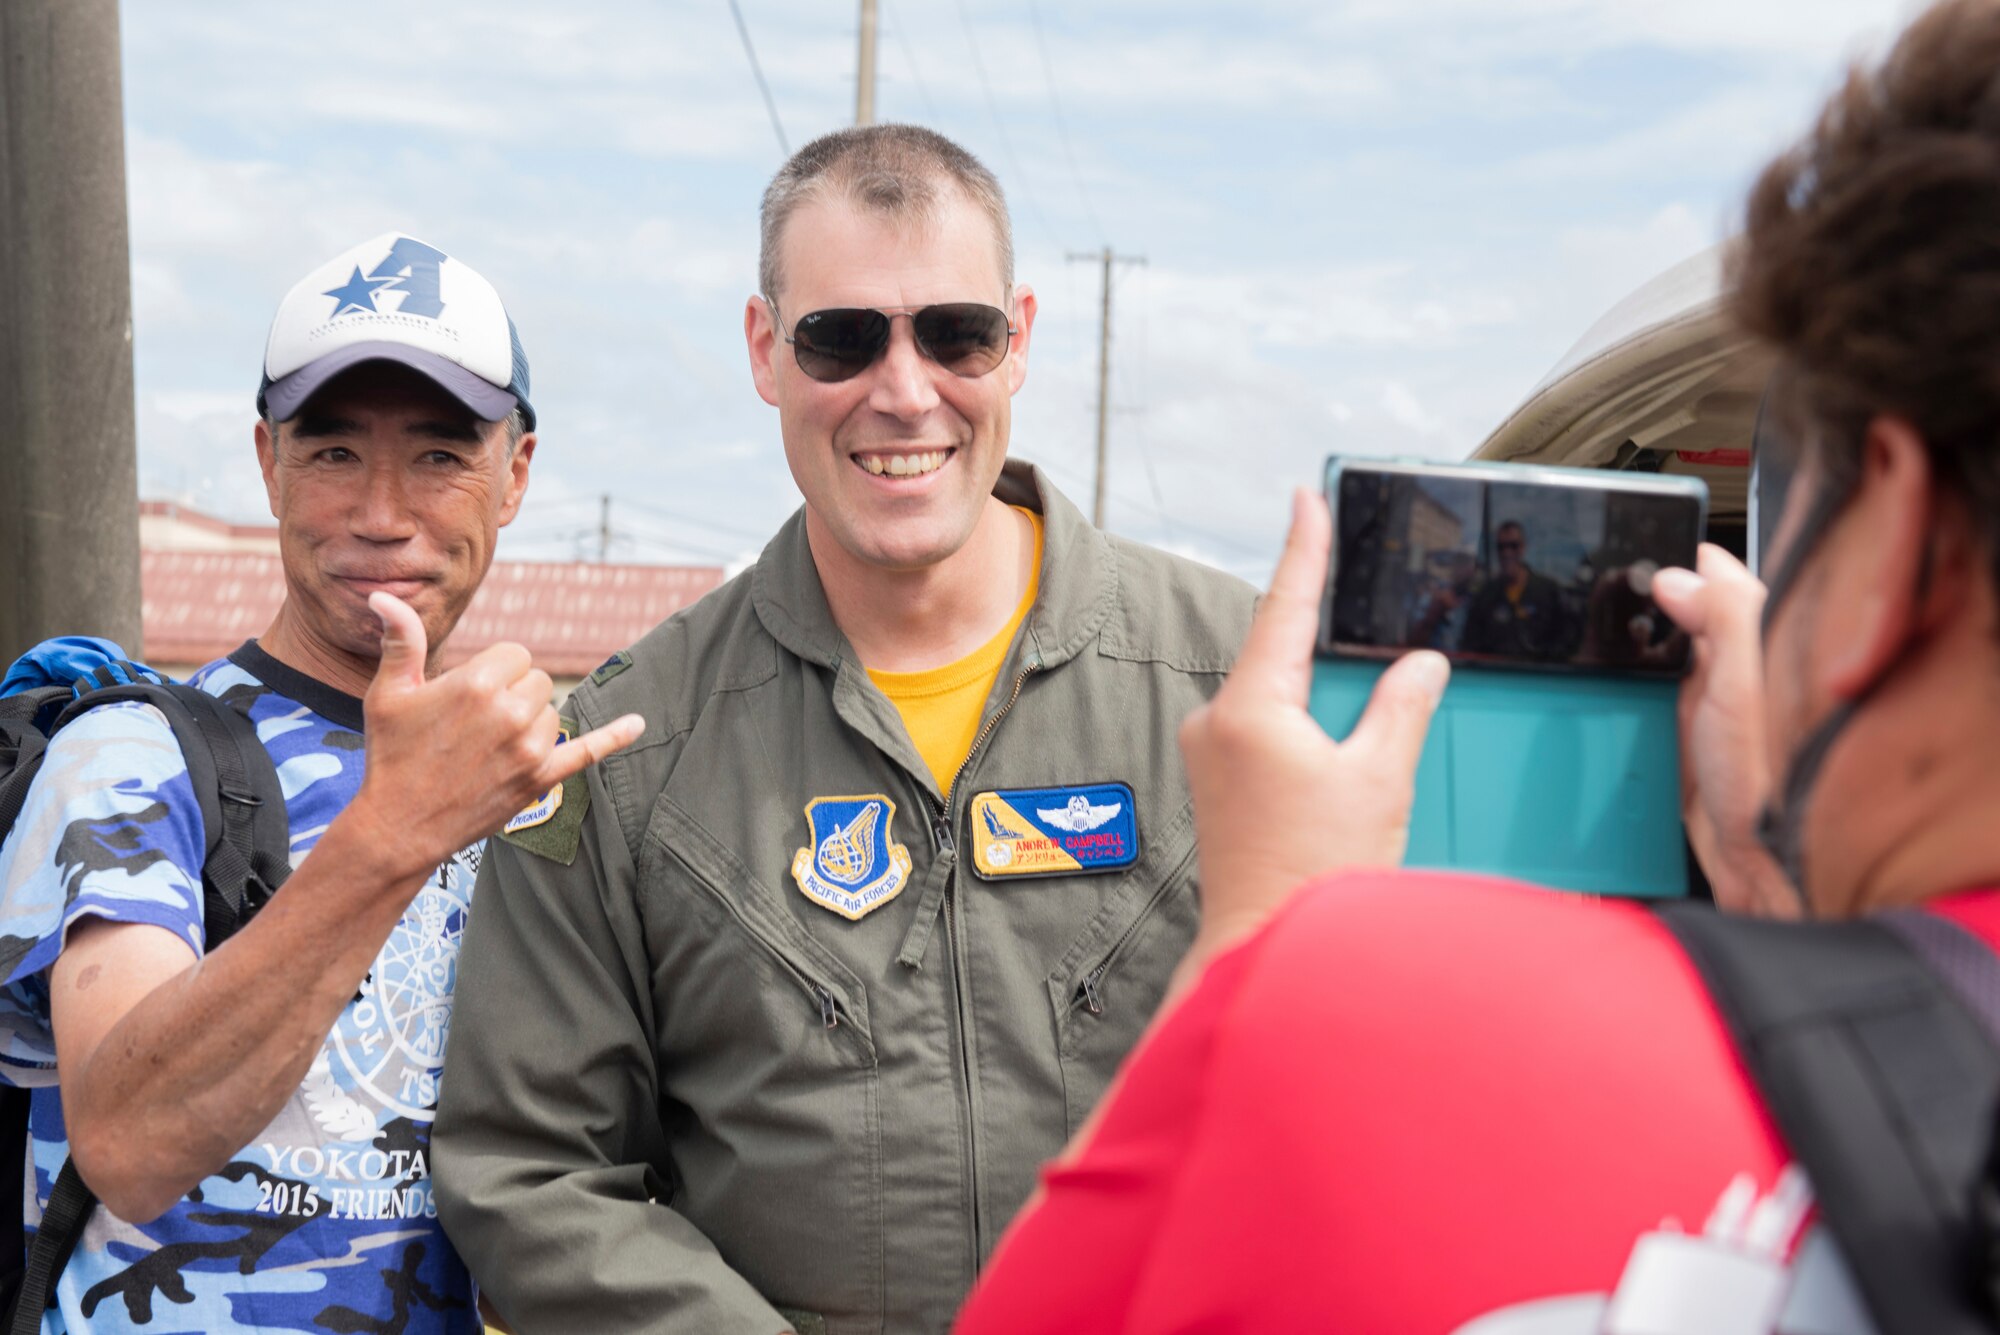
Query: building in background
[(208, 585)]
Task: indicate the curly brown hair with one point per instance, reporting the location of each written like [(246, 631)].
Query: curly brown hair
[(1870, 258)]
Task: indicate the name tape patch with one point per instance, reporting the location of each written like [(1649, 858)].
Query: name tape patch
[(1091, 827)]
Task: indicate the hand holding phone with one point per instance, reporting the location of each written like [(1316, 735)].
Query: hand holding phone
[(1554, 757), (1277, 802)]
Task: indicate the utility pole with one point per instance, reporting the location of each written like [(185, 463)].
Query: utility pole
[(1107, 258), (604, 529), (864, 84), (69, 514)]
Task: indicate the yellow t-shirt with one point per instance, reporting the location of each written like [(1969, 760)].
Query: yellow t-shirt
[(940, 706)]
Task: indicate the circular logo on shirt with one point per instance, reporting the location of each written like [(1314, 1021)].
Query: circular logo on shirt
[(391, 1041)]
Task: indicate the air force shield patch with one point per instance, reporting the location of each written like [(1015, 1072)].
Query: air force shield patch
[(852, 865), (552, 825), (1054, 831)]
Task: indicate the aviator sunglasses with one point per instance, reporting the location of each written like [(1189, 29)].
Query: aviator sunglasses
[(967, 338)]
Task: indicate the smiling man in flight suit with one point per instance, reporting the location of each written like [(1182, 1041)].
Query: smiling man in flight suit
[(771, 1025)]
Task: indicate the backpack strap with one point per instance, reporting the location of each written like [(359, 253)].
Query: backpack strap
[(247, 858), (1883, 1081), (242, 802), (22, 742), (70, 1204)]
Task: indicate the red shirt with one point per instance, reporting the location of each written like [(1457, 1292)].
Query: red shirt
[(1416, 1100)]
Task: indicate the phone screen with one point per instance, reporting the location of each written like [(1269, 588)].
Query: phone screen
[(1543, 574)]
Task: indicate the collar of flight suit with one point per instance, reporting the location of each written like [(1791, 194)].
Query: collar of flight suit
[(1078, 589), (1078, 585)]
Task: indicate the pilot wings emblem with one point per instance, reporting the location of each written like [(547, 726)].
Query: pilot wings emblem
[(1079, 814)]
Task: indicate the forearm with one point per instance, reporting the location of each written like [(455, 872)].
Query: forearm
[(207, 1058)]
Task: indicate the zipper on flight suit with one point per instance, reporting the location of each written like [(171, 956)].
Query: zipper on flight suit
[(1087, 992), (829, 1010), (942, 836)]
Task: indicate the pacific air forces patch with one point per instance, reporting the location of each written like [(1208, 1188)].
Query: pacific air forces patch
[(1088, 827), (553, 823), (853, 865)]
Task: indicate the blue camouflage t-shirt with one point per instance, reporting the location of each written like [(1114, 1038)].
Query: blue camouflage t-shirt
[(325, 1221)]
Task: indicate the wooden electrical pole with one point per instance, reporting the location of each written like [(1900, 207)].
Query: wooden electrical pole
[(69, 505), (864, 83), (1107, 258)]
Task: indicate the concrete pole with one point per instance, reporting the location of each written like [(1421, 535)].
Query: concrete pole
[(69, 522), (864, 83)]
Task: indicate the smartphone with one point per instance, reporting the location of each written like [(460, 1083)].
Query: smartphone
[(1554, 757)]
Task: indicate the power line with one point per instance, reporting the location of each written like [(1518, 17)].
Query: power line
[(750, 50), (676, 545), (1145, 341), (993, 110), (1062, 125), (910, 58), (1064, 471), (661, 512), (645, 507)]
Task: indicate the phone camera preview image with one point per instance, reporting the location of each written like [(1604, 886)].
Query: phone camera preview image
[(1530, 573), (1563, 772)]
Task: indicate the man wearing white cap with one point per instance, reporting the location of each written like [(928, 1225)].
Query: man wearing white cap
[(256, 1122)]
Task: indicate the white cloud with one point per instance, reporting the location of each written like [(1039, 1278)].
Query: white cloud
[(1372, 224), (1403, 409)]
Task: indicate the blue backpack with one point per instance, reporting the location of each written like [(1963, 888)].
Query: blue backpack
[(248, 856)]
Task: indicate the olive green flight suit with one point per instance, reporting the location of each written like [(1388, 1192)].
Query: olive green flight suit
[(683, 1097)]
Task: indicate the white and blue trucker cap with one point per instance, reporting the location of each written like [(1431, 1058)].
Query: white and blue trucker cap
[(396, 299)]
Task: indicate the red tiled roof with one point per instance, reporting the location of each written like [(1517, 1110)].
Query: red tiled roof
[(198, 606), (193, 518)]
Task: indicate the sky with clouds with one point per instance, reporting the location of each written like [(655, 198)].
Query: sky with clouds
[(1369, 226)]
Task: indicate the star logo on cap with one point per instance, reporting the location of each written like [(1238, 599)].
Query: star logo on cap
[(356, 294)]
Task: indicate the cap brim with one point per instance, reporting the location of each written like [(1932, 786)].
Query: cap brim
[(283, 398)]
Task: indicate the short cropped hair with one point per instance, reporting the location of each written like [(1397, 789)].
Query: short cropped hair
[(892, 170), (1870, 260)]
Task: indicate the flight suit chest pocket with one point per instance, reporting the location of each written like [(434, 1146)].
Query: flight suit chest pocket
[(1112, 979), (769, 1083)]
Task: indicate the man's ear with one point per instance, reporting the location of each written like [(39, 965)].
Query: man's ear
[(1873, 601), (517, 478), (760, 333), (267, 463), (1024, 326)]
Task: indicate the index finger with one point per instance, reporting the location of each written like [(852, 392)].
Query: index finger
[(587, 750), (1276, 662)]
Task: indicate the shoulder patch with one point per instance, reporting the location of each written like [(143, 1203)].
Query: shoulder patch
[(552, 825), (611, 667)]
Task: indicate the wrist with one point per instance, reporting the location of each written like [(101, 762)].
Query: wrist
[(373, 848)]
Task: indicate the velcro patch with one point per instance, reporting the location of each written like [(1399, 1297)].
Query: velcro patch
[(552, 826), (611, 667), (1064, 831), (853, 864)]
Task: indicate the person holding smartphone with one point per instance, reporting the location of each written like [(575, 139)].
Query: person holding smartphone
[(1420, 1102)]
